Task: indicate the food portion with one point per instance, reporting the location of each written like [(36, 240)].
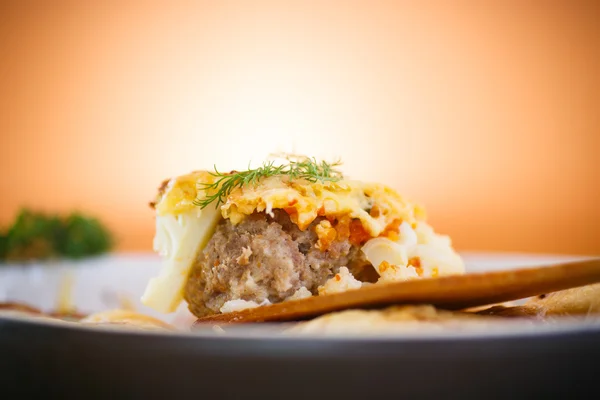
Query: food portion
[(283, 232), (264, 259)]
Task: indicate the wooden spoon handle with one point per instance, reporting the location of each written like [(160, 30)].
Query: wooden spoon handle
[(450, 292)]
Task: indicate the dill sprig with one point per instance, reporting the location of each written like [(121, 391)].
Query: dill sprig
[(307, 168)]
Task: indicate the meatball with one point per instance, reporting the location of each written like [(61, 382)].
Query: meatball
[(263, 258)]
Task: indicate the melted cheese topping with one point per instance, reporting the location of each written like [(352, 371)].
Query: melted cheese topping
[(376, 206), (179, 195)]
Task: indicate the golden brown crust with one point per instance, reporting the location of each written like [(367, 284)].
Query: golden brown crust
[(583, 300), (511, 312), (161, 191)]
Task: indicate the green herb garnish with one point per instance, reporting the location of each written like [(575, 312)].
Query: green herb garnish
[(36, 236), (306, 168)]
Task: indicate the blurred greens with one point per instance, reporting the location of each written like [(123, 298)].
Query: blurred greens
[(35, 236)]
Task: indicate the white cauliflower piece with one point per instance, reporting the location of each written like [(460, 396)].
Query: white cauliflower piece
[(341, 282)]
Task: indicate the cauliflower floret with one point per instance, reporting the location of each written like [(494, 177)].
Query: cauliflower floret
[(418, 252), (238, 305), (392, 273), (301, 293), (341, 282)]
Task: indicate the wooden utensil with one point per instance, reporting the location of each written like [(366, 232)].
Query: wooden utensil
[(450, 292)]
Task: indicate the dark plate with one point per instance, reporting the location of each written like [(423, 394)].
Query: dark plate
[(42, 359)]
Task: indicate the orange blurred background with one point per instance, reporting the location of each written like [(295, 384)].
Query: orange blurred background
[(487, 113)]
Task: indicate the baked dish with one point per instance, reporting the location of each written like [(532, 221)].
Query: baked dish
[(282, 232)]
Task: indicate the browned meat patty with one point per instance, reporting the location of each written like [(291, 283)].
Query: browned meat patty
[(263, 258)]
